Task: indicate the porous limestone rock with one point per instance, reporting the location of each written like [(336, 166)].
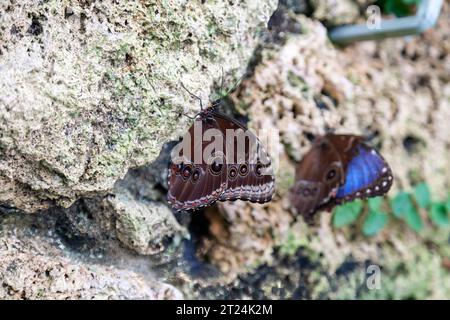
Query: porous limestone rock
[(336, 12), (25, 275), (131, 213), (36, 264), (141, 226)]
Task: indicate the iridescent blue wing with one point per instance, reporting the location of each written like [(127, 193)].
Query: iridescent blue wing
[(367, 175)]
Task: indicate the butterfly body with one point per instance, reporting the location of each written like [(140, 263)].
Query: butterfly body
[(337, 169), (230, 171)]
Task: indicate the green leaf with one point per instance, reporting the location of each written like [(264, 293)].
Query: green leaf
[(401, 204), (438, 215), (412, 1), (347, 214), (375, 203), (447, 205), (374, 222), (400, 8), (422, 195), (413, 219)]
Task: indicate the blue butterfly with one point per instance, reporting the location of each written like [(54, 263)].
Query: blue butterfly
[(339, 168)]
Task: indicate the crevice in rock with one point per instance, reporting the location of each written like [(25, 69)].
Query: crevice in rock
[(35, 27)]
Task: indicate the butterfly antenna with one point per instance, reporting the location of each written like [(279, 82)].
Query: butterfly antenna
[(236, 84), (217, 102), (186, 115), (193, 95), (222, 79)]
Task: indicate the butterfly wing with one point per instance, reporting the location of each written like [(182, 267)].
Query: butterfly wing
[(317, 176), (245, 173), (249, 171), (195, 182), (345, 145), (367, 175)]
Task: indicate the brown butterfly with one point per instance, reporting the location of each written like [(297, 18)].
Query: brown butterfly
[(235, 172)]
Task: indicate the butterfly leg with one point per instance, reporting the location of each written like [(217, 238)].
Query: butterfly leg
[(193, 95)]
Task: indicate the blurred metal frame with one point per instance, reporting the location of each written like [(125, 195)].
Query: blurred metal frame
[(426, 17)]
